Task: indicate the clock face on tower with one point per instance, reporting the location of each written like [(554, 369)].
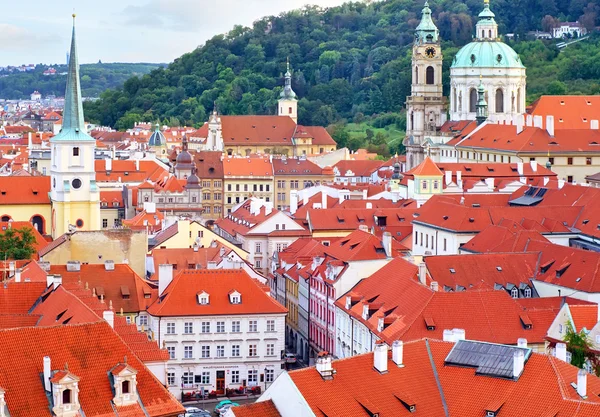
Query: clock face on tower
[(430, 52)]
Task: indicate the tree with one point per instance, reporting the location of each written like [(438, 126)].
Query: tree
[(549, 23), (581, 347), (17, 243), (557, 88)]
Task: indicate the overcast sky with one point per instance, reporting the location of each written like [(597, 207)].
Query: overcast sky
[(38, 31)]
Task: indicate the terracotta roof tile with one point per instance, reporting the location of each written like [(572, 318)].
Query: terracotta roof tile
[(27, 190), (258, 409)]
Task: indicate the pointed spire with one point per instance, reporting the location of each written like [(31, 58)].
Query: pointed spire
[(288, 93), (73, 127), (427, 31)]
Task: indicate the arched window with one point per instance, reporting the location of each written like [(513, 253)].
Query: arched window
[(416, 75), (125, 387), (473, 100), (412, 121), (527, 292), (454, 106), (483, 33), (519, 100), (38, 223), (499, 101), (430, 79), (6, 218), (66, 396), (290, 110), (514, 293), (76, 151), (490, 34)]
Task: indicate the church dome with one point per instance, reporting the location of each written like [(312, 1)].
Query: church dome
[(157, 138), (184, 157), (487, 54)]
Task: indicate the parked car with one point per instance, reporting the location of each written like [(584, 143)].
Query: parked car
[(223, 406), (290, 358), (195, 412)]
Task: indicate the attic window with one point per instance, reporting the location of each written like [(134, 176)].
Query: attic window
[(471, 220), (203, 298), (586, 221), (499, 268), (445, 217), (452, 271), (545, 267), (429, 323), (235, 297), (562, 269)]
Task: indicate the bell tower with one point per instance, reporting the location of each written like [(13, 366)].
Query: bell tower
[(74, 194), (426, 106), (288, 103)]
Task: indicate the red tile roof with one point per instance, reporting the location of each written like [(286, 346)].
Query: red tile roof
[(127, 172), (357, 168), (361, 246), (295, 166), (26, 190), (258, 409), (253, 130), (570, 112), (90, 350), (209, 164), (18, 297), (179, 298), (247, 167), (318, 134), (39, 243), (427, 168), (184, 257), (153, 222)]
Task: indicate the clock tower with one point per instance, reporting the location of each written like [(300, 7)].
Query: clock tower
[(426, 106), (74, 193)]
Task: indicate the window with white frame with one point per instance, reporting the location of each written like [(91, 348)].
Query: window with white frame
[(206, 327), (188, 352), (128, 319), (235, 350), (270, 349), (235, 377), (187, 378), (235, 326), (269, 375), (170, 378), (252, 376), (143, 320), (527, 292), (270, 325), (205, 377), (258, 263), (281, 247), (206, 351), (171, 350), (252, 351), (170, 328), (220, 351), (188, 328), (235, 297), (258, 247), (514, 293), (220, 327), (253, 325)]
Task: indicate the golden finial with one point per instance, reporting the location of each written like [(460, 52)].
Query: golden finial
[(110, 305), (74, 15)]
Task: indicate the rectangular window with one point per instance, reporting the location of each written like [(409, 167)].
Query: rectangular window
[(253, 326), (105, 223), (270, 349), (205, 377), (188, 328), (220, 327), (205, 351), (280, 184), (235, 350), (445, 247), (143, 320), (187, 378), (257, 248), (170, 328), (252, 351), (258, 264), (570, 161), (235, 326), (255, 187), (267, 187), (237, 187), (588, 161), (270, 325), (245, 187), (188, 352), (171, 350), (228, 187), (220, 351), (206, 196), (252, 376), (570, 179), (551, 160), (206, 327), (269, 375), (217, 184), (261, 187), (235, 377), (170, 378), (194, 199), (229, 202), (217, 196)]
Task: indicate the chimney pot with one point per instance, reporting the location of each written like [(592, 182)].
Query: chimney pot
[(522, 342), (459, 334), (323, 365), (109, 316), (435, 286), (165, 276), (550, 125), (448, 336), (398, 353), (18, 272), (561, 351), (47, 373), (348, 302), (582, 383), (423, 274), (518, 363), (365, 314)]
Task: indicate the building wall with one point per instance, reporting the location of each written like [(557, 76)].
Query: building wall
[(237, 189), (68, 213), (24, 213), (286, 183), (95, 247), (438, 242), (111, 217), (213, 205), (242, 363)]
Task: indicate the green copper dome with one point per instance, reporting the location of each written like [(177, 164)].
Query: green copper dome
[(427, 31), (487, 54)]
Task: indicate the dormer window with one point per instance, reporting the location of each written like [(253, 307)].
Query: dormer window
[(65, 394), (235, 297), (203, 298), (124, 379), (527, 292), (514, 293)]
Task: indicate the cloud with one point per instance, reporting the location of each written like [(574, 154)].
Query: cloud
[(17, 38)]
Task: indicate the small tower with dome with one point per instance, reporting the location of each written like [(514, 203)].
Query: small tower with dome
[(288, 103), (158, 143), (490, 62), (184, 163)]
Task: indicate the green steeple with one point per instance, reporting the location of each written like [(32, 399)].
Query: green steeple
[(427, 31), (288, 93), (482, 111), (73, 127)]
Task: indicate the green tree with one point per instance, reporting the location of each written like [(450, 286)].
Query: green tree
[(17, 243), (581, 348)]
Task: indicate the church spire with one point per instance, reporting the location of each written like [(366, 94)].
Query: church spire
[(287, 92), (73, 126), (482, 110), (427, 31)]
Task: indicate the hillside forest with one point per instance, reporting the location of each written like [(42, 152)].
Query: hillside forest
[(351, 66)]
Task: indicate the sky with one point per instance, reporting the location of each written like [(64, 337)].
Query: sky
[(39, 31)]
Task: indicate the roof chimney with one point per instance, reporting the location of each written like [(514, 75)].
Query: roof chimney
[(458, 176), (448, 175), (529, 121), (459, 334), (534, 165), (293, 201), (109, 316), (165, 276), (324, 367), (561, 352), (73, 266), (520, 123), (423, 273), (137, 164), (380, 324), (386, 241), (594, 124), (448, 336), (47, 373), (365, 312), (522, 342), (323, 200), (380, 357), (108, 164), (348, 302), (304, 198), (518, 363), (109, 265), (369, 205), (18, 274), (550, 125), (435, 286), (520, 168), (398, 353), (582, 383), (538, 121)]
